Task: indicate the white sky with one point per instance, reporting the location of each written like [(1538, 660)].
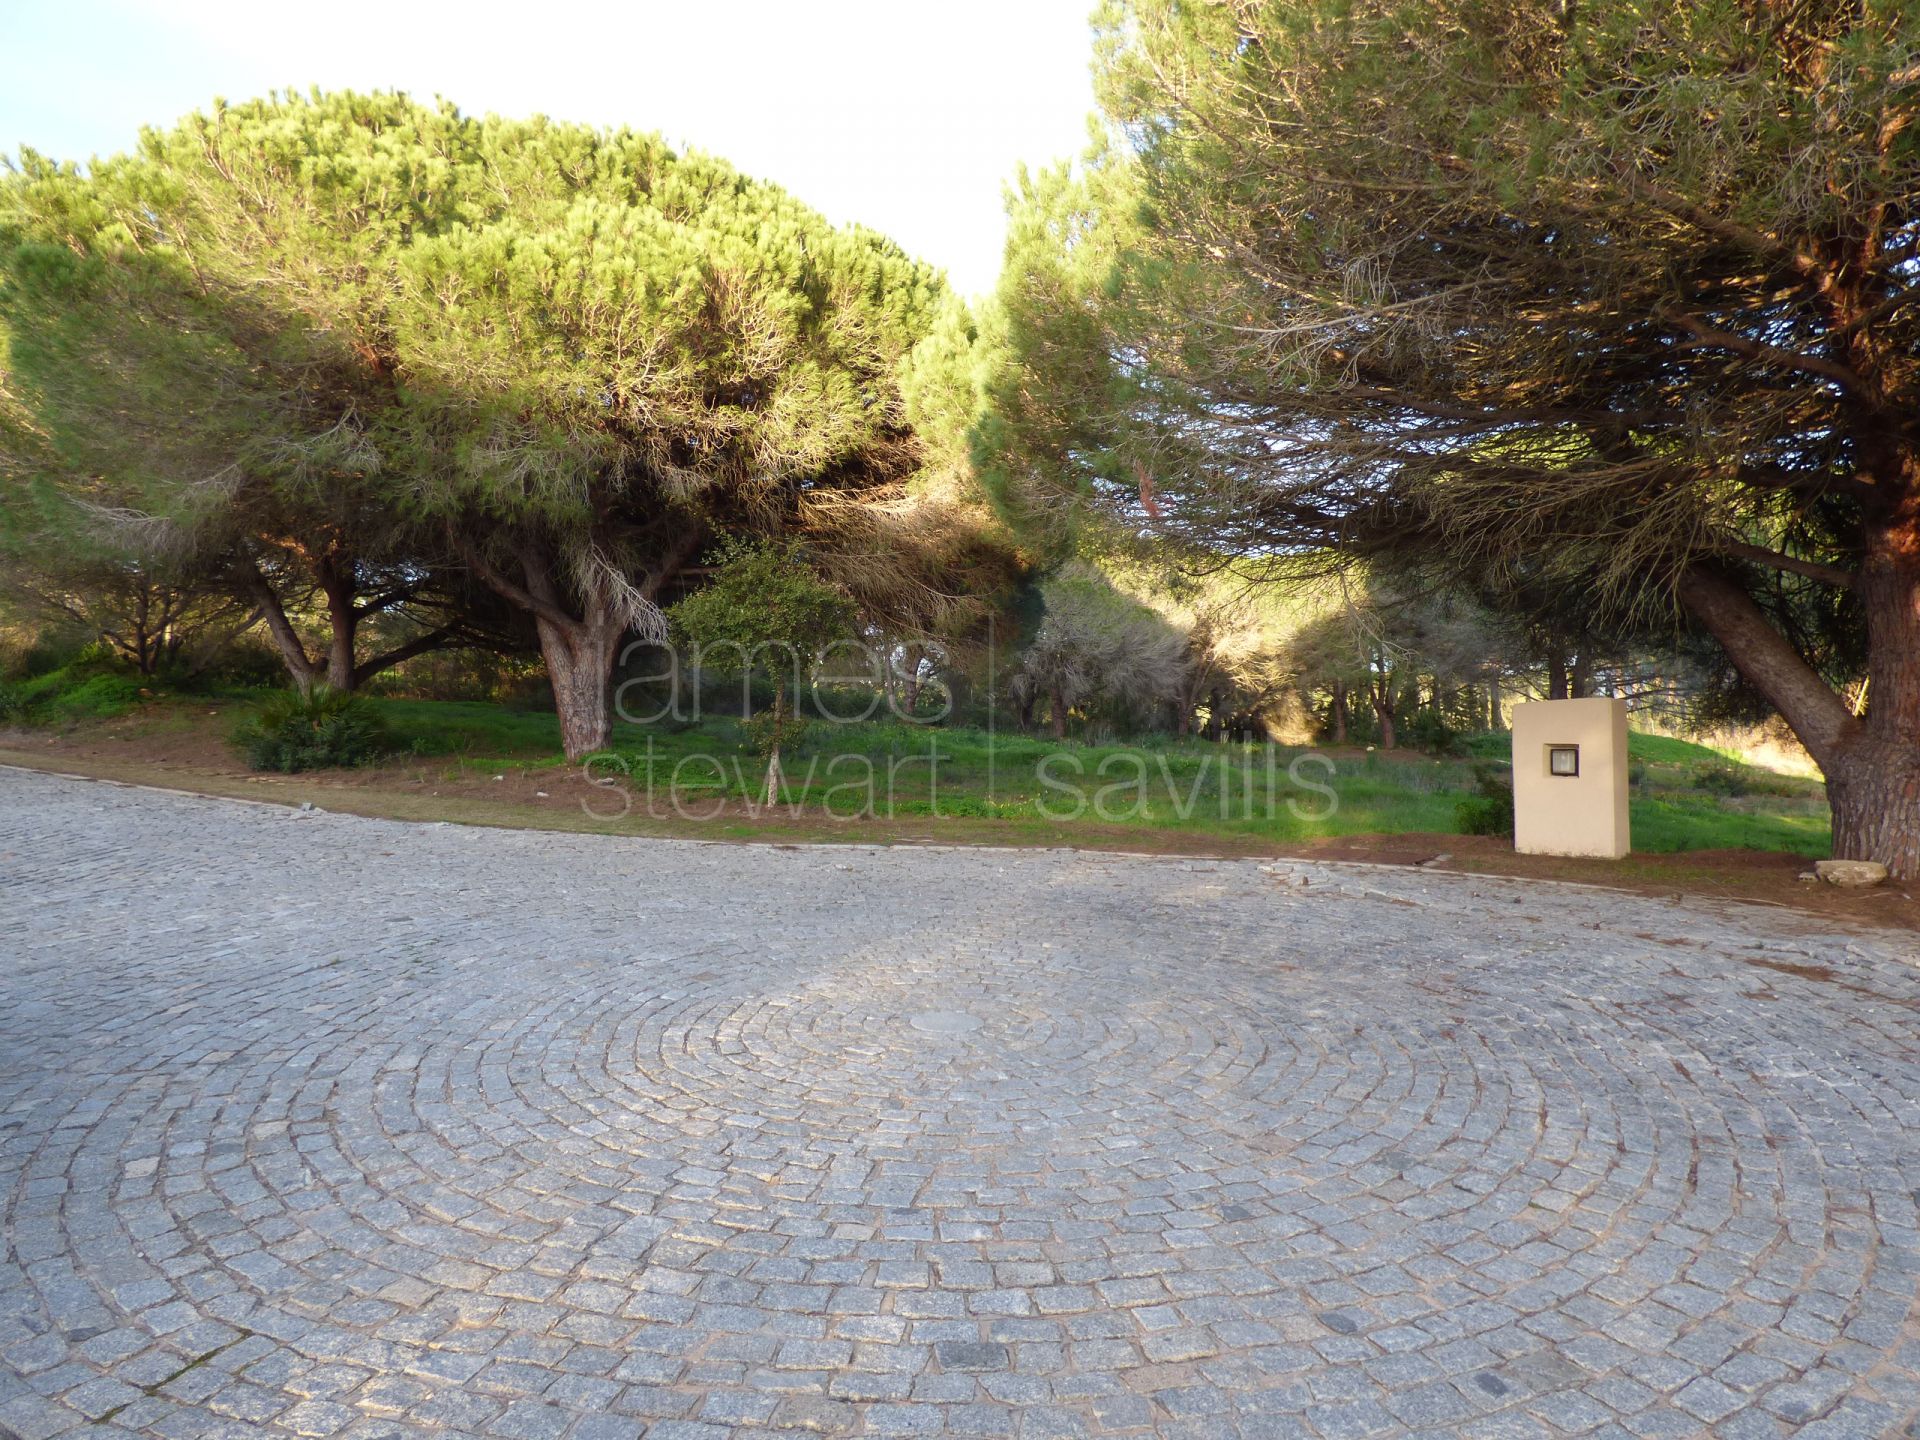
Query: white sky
[(909, 116)]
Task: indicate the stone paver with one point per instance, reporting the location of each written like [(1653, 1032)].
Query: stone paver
[(319, 1126)]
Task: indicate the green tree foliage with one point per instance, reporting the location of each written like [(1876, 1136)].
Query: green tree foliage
[(624, 362), (193, 349), (392, 354), (1399, 657), (1095, 643), (764, 612), (1616, 300), (1066, 403)]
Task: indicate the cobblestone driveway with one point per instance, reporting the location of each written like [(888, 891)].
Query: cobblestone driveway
[(324, 1126)]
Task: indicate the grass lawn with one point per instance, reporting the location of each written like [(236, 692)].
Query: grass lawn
[(1704, 824), (1684, 796), (847, 779)]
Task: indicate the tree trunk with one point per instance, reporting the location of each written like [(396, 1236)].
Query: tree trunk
[(1874, 792), (1579, 681), (1556, 676), (579, 660), (145, 653), (1057, 703), (343, 620), (910, 681), (1383, 709), (1874, 784), (1339, 712), (1495, 720), (1872, 763), (578, 646), (773, 758), (293, 651)]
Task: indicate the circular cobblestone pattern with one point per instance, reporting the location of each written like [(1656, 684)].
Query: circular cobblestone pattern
[(313, 1125)]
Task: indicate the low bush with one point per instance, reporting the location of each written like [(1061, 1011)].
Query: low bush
[(1727, 781), (1489, 809), (98, 697), (1428, 730), (89, 688), (327, 729)]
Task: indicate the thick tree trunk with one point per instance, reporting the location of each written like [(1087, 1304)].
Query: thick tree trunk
[(578, 645), (1874, 792), (1579, 680), (1874, 784), (579, 659), (1339, 712), (1872, 764), (1557, 676), (343, 621), (1057, 703)]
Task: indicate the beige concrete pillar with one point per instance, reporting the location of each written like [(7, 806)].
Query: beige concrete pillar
[(1570, 778)]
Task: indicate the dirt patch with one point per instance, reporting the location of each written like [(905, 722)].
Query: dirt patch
[(1752, 876)]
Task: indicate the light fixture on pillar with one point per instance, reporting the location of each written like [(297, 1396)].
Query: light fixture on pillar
[(1570, 778)]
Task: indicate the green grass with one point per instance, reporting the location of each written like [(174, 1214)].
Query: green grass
[(1668, 750), (1685, 796), (1666, 826), (1189, 787), (468, 728)]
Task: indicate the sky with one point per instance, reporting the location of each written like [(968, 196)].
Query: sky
[(906, 115)]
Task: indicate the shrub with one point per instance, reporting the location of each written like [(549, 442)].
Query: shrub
[(54, 651), (246, 664), (1428, 730), (1489, 810), (1723, 780), (99, 697), (89, 688), (327, 729), (770, 731)]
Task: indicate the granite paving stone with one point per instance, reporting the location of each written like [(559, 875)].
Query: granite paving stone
[(313, 1125)]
